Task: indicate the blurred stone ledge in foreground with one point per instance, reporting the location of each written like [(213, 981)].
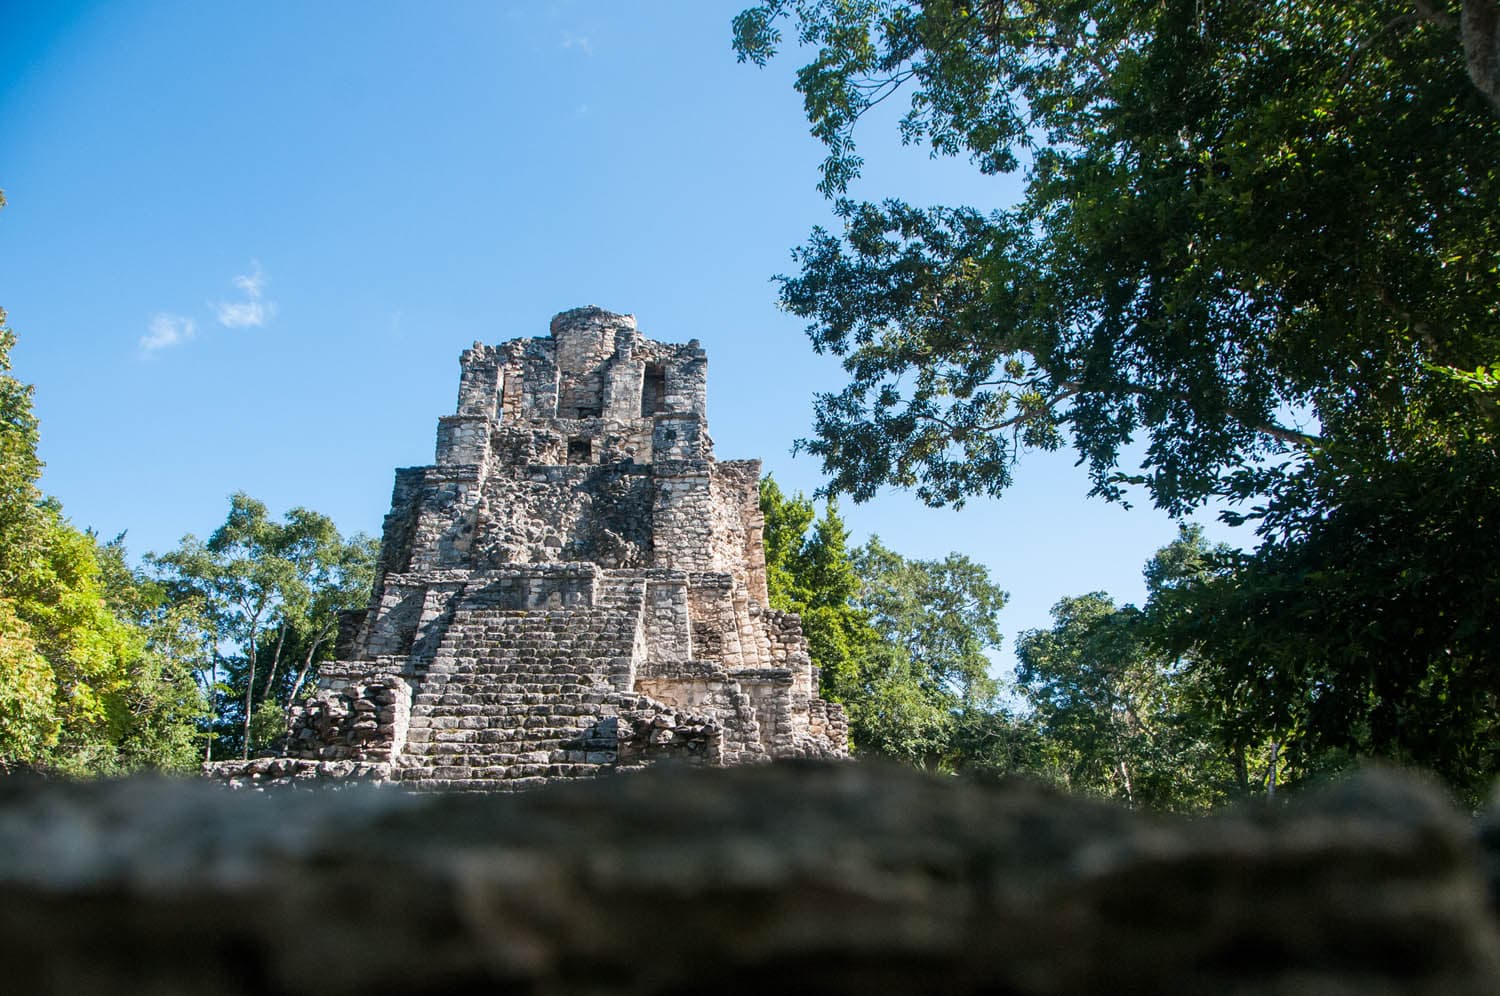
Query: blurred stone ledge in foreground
[(845, 878)]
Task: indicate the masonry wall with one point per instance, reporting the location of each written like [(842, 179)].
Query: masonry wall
[(574, 584), (600, 514)]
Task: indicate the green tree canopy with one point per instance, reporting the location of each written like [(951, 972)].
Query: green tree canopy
[(1258, 249), (85, 687), (1247, 228), (28, 715), (270, 594), (1365, 625), (926, 695), (1119, 716), (810, 571), (901, 643)]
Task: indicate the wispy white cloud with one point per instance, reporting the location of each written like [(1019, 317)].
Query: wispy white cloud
[(254, 311), (582, 43), (243, 314), (252, 283), (167, 330)]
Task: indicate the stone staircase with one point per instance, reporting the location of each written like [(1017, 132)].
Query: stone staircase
[(510, 691)]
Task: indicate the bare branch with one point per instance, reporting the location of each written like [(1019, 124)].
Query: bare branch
[(1281, 433), (1433, 15), (1394, 24)]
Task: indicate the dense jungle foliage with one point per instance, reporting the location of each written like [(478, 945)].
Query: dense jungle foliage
[(1257, 245)]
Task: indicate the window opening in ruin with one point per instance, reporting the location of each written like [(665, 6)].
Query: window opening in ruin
[(579, 451), (654, 389), (589, 411)]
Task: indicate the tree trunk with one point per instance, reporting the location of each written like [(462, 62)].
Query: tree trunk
[(213, 714), (1478, 26), (1271, 769), (1480, 29), (250, 688), (307, 663), (1125, 780), (275, 664)]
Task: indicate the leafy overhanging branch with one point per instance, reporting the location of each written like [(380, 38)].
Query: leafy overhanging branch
[(1218, 227)]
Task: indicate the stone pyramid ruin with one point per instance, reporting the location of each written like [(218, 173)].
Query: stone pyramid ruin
[(575, 586)]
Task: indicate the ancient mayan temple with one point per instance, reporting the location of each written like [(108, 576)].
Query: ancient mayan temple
[(576, 585)]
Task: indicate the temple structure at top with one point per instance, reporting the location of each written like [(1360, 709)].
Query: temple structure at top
[(575, 585)]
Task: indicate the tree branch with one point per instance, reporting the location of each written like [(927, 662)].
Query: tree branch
[(1480, 28), (1394, 24), (1280, 433), (1433, 15)]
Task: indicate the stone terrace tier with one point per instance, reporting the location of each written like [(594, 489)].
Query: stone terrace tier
[(576, 585)]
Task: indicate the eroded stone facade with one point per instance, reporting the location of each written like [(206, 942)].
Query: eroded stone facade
[(575, 585)]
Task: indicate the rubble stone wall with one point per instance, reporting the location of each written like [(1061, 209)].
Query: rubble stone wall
[(682, 516), (565, 513), (356, 715)]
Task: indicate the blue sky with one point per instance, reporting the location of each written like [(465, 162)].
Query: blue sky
[(246, 242)]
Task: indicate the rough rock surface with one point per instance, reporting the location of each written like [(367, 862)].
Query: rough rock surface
[(794, 877)]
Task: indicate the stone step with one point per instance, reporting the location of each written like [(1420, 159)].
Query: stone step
[(508, 689), (468, 738), (497, 772), (519, 675), (494, 721), (500, 771)]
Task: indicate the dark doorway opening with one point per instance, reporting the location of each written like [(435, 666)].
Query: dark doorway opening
[(654, 390)]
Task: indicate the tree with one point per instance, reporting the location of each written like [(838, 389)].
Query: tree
[(84, 687), (927, 696), (340, 579), (166, 708), (902, 644), (787, 520), (268, 594), (28, 716), (1247, 228), (1364, 625), (1125, 711), (1090, 684), (1121, 720), (1257, 246), (810, 570)]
